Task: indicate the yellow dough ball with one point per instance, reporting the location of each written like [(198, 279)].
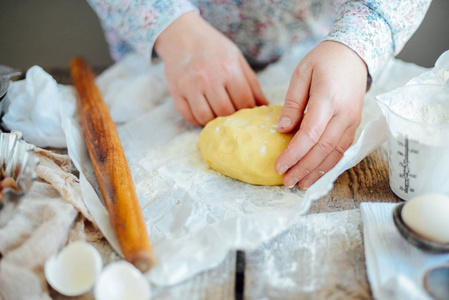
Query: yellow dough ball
[(245, 145)]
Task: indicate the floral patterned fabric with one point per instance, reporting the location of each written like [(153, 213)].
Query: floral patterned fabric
[(375, 29)]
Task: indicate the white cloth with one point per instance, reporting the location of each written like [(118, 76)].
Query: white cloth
[(32, 107), (47, 220), (395, 268)]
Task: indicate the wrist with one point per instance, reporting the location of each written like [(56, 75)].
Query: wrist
[(354, 56), (176, 33)]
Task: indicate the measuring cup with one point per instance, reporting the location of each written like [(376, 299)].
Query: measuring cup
[(418, 152)]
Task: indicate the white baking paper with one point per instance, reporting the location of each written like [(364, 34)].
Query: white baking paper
[(194, 215), (439, 74)]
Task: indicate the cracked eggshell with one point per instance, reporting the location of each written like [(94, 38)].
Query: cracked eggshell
[(74, 270), (428, 216), (121, 280)]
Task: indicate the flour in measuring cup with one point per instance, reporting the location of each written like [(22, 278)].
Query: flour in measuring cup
[(429, 113), (418, 159)]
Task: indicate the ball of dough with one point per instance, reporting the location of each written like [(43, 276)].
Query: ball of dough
[(245, 145)]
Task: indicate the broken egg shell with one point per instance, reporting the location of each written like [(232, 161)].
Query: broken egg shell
[(74, 270), (121, 280)]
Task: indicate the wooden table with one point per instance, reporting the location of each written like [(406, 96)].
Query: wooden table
[(273, 271)]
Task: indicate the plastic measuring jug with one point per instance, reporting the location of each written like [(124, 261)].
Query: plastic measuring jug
[(418, 151)]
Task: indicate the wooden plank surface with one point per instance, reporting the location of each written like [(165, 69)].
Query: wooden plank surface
[(320, 257), (338, 271), (366, 182)]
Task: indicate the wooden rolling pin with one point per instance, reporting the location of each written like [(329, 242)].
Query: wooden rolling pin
[(111, 168)]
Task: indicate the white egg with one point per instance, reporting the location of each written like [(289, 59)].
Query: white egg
[(428, 216), (74, 270), (121, 281)]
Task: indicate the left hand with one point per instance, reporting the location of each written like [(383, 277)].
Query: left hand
[(331, 82)]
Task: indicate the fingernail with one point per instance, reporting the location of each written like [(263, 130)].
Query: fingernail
[(284, 122), (305, 184), (282, 169), (291, 183)]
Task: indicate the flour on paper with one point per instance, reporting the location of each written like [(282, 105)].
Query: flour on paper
[(188, 206)]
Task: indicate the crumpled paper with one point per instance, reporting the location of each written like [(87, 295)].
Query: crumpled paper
[(148, 83), (439, 74), (195, 216)]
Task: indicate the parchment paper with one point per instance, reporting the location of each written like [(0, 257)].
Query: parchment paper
[(194, 215)]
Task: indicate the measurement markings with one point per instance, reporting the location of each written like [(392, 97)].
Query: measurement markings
[(405, 164)]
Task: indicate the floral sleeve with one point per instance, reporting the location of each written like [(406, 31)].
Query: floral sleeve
[(135, 24), (377, 29)]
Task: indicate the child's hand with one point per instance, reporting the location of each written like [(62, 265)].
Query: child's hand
[(331, 80), (207, 74)]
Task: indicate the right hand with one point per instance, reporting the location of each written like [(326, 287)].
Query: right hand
[(207, 74)]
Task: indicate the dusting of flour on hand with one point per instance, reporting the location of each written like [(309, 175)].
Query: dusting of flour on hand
[(429, 113)]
